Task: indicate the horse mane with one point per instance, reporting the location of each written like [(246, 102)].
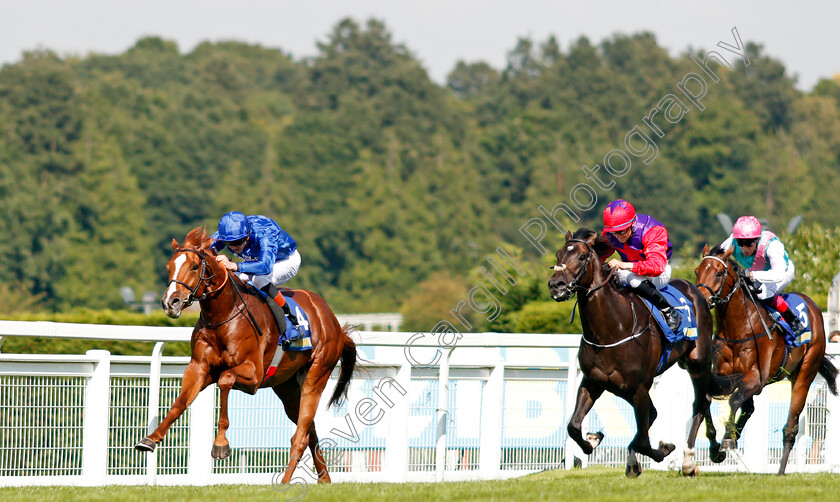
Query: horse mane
[(197, 239), (718, 250)]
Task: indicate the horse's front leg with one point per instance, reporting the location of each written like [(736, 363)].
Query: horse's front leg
[(742, 397), (196, 378), (246, 375), (643, 409), (588, 393)]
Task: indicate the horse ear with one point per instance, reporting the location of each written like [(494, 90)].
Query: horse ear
[(175, 245), (706, 250), (728, 252), (568, 235)]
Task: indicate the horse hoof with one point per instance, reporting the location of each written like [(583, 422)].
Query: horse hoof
[(145, 445), (689, 466), (718, 457), (594, 439), (220, 452), (633, 471), (666, 448), (729, 444)]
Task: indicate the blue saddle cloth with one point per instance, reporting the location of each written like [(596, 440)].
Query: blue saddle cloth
[(798, 306), (293, 339), (688, 324)]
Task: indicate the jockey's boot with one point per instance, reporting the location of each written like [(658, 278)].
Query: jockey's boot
[(275, 294), (779, 303), (673, 318), (795, 324)]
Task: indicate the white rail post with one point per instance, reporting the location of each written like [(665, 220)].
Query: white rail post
[(833, 305), (832, 434), (442, 414), (154, 405), (396, 447), (757, 433), (199, 461), (571, 398), (492, 408), (95, 428)]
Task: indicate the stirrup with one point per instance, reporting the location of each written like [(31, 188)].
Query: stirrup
[(672, 318)]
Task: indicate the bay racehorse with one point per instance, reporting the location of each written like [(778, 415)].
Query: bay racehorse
[(750, 348), (233, 344), (622, 345)]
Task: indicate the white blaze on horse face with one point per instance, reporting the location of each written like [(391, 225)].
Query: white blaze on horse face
[(570, 247), (179, 261)]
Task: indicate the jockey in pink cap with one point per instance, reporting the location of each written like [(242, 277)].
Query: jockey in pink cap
[(763, 255), (644, 248)]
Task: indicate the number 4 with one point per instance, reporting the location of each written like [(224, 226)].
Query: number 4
[(302, 321)]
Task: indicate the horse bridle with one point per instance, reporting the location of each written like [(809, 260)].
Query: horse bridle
[(574, 284), (715, 298), (202, 279)]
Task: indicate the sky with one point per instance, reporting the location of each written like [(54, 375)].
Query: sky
[(802, 34)]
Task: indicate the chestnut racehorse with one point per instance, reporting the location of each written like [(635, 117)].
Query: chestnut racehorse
[(751, 347), (622, 346), (233, 344)]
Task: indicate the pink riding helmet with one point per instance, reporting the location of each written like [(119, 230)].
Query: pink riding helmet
[(747, 227)]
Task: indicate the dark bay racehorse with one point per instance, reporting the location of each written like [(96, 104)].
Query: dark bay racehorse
[(752, 349), (622, 345), (233, 344)]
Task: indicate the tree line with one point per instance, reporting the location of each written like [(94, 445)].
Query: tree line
[(385, 178)]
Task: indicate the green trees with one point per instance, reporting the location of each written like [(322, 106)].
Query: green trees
[(383, 177)]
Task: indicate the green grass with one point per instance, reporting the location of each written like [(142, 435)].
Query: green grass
[(593, 484)]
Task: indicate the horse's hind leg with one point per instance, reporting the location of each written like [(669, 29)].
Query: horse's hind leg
[(587, 394), (716, 455), (700, 411), (313, 386), (289, 393), (798, 395)]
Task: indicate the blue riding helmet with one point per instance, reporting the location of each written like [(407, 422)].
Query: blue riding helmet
[(233, 226)]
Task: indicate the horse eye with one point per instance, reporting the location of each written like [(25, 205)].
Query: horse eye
[(195, 267), (582, 257), (719, 274)]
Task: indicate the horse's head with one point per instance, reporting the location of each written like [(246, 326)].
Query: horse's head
[(191, 269), (717, 276), (576, 262)]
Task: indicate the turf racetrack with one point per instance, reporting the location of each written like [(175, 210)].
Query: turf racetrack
[(593, 484)]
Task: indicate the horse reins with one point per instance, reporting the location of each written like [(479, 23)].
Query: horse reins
[(202, 279)]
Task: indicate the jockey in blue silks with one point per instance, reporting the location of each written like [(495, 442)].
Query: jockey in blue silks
[(270, 256)]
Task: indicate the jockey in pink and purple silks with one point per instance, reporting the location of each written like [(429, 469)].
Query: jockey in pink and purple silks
[(764, 257), (644, 248)]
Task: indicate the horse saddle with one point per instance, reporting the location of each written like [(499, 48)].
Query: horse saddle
[(688, 325), (291, 338), (800, 308)]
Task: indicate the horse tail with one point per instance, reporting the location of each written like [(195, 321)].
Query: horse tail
[(829, 372), (723, 385), (348, 363)]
